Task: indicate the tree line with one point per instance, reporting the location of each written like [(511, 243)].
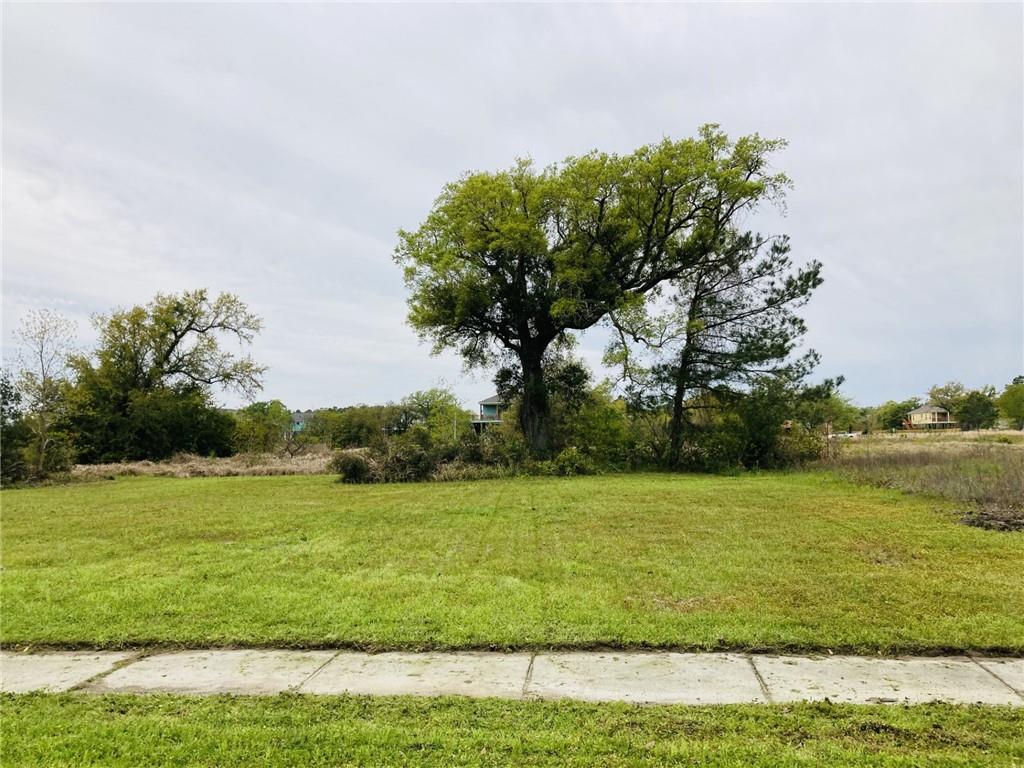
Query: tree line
[(506, 269), (145, 391)]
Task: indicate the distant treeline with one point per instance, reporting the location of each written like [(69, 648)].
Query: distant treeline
[(147, 392)]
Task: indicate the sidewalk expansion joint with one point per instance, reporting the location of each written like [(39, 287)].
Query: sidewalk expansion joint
[(85, 685), (315, 672), (760, 679), (529, 675), (974, 658)]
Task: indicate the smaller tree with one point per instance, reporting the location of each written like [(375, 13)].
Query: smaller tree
[(438, 411), (949, 395), (262, 427), (146, 391), (359, 426), (830, 409), (763, 412), (729, 322), (46, 339), (1011, 403), (892, 414), (165, 421), (977, 410)]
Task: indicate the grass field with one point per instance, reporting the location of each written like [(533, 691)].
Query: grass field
[(134, 732), (770, 561), (984, 478)]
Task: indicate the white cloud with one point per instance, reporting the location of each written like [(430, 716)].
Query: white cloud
[(274, 150)]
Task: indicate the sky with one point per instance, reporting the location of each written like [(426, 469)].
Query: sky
[(273, 151)]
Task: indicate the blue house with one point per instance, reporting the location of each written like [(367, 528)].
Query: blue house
[(491, 411), (300, 419)]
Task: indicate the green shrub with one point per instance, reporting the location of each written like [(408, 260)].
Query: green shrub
[(504, 445), (571, 462), (799, 446), (352, 467), (717, 447), (455, 471), (405, 461)]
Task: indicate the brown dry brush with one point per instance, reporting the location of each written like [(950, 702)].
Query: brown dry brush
[(987, 481), (313, 462)]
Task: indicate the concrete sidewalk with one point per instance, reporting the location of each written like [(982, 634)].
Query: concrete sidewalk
[(640, 677)]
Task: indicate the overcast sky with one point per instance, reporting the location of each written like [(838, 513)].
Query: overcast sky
[(274, 150)]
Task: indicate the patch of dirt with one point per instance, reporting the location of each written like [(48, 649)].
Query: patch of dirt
[(994, 517)]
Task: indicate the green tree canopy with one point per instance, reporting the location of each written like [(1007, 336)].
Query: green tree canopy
[(145, 392), (977, 410), (892, 414), (261, 427), (723, 324), (949, 395), (1011, 403), (438, 411), (506, 263)]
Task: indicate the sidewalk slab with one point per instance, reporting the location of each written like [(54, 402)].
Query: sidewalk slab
[(211, 672), (53, 672), (857, 680), (637, 676), (423, 674), (1010, 671), (649, 678)]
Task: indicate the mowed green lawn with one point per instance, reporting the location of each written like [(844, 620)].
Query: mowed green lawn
[(768, 561), (311, 731)]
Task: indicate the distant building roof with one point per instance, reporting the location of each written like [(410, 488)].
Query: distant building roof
[(493, 400), (929, 409)]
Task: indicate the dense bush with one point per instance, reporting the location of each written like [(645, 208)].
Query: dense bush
[(800, 445), (716, 447), (504, 445), (351, 467), (153, 424), (405, 461), (572, 462)]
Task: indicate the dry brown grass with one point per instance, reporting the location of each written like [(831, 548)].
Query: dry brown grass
[(986, 477), (312, 462)]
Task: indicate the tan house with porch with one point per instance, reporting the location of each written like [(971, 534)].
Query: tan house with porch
[(930, 417)]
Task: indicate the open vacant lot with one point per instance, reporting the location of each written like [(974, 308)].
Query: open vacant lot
[(773, 561)]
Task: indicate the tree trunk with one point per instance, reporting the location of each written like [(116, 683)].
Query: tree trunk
[(534, 410), (675, 444), (42, 444), (678, 412)]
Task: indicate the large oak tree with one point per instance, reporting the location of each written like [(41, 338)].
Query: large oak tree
[(507, 263)]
